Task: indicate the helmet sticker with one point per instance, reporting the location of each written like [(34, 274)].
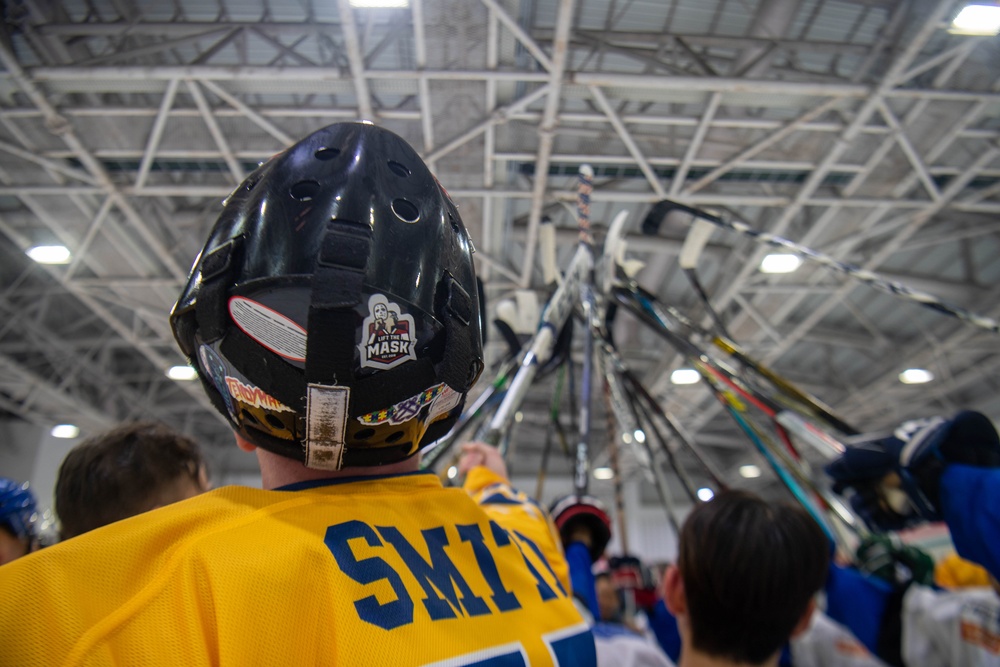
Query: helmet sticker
[(388, 335), (444, 403), (254, 396), (326, 426), (213, 366), (278, 333), (406, 410)]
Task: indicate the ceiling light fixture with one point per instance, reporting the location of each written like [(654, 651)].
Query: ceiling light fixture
[(749, 471), (183, 373), (453, 472), (604, 473), (65, 431), (705, 493), (49, 254), (982, 18), (780, 263), (916, 376), (684, 376)]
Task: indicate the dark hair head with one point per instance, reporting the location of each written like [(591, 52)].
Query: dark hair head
[(749, 569), (125, 471)]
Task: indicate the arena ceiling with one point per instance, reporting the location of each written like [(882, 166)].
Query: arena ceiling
[(861, 128)]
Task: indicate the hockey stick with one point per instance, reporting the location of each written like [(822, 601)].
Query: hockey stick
[(616, 469), (552, 429), (716, 375), (617, 272), (651, 226), (630, 412), (651, 314), (628, 422), (540, 348), (695, 242), (436, 451), (581, 467)]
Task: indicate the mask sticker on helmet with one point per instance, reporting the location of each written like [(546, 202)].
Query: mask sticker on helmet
[(213, 366), (389, 336), (406, 410), (270, 328)]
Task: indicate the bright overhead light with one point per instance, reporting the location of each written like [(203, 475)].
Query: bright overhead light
[(380, 3), (640, 436), (604, 473), (977, 19), (65, 431), (705, 493), (453, 472), (184, 372), (749, 471), (780, 263), (684, 376), (916, 376), (49, 254)]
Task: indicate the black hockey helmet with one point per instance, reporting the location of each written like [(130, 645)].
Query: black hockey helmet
[(333, 314)]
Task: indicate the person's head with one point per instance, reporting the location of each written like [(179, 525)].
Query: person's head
[(284, 310), (609, 602), (746, 575), (128, 470), (17, 520), (582, 518)]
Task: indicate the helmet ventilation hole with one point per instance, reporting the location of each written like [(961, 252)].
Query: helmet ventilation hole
[(400, 170), (454, 223), (274, 423), (304, 190), (364, 434), (326, 153), (248, 416), (405, 211), (393, 437)]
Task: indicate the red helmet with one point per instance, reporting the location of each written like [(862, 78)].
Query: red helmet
[(333, 314), (572, 511)]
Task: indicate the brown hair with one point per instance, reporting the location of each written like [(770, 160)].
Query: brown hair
[(749, 570), (125, 471)]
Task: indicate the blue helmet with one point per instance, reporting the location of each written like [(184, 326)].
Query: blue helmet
[(17, 509)]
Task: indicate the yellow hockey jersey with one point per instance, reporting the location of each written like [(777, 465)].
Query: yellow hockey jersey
[(388, 571)]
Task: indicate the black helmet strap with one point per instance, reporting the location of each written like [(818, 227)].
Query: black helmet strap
[(337, 285)]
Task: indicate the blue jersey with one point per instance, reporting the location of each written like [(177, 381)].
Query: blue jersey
[(970, 499)]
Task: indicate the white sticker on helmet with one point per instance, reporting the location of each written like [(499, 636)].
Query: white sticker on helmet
[(326, 426), (268, 327), (388, 335), (444, 403)]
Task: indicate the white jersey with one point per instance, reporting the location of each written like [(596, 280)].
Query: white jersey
[(951, 628), (828, 644), (617, 646)]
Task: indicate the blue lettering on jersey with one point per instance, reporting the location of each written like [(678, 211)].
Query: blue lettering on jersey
[(369, 570), (573, 646), (438, 575), (504, 599), (544, 590), (545, 562)]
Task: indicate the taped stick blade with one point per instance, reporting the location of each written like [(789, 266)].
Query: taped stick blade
[(547, 244), (694, 244)]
